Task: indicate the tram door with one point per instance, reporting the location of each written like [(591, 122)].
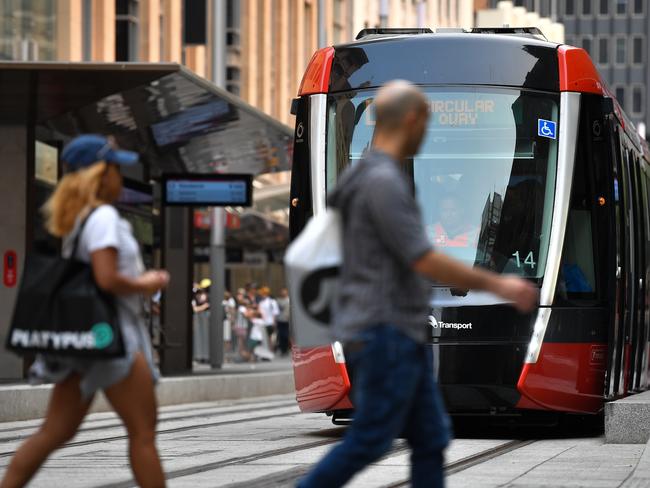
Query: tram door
[(644, 356), (619, 326), (639, 326)]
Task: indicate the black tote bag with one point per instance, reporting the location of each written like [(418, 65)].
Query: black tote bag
[(61, 311)]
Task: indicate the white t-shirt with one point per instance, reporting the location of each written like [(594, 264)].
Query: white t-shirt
[(257, 333), (269, 310), (106, 229)]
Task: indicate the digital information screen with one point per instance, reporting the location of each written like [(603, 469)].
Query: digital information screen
[(215, 190)]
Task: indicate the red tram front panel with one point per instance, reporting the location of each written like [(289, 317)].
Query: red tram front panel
[(558, 359)]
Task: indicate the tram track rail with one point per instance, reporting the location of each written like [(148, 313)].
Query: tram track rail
[(285, 476), (237, 460), (473, 459), (170, 430), (291, 476)]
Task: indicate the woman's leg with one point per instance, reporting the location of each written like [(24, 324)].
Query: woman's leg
[(65, 413), (134, 401)]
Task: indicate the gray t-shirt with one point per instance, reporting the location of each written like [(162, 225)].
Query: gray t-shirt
[(383, 236)]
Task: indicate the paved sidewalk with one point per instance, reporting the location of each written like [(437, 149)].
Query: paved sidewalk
[(588, 463)]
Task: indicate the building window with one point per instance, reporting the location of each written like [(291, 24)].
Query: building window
[(620, 57), (569, 8), (619, 92), (569, 40), (587, 44), (233, 80), (126, 30), (621, 7), (603, 50), (637, 50), (637, 100), (638, 7), (586, 7), (603, 9), (233, 22)]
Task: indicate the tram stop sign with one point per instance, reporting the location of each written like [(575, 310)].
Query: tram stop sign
[(208, 190)]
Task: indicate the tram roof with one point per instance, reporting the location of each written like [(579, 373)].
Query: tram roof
[(438, 59), (521, 58), (176, 120)]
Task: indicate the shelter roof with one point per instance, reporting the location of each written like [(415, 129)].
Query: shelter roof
[(176, 120)]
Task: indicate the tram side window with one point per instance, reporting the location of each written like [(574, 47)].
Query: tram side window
[(577, 280), (577, 273)]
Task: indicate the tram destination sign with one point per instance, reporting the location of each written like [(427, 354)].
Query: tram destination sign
[(210, 190)]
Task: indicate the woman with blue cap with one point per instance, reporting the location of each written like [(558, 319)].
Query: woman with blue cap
[(86, 193)]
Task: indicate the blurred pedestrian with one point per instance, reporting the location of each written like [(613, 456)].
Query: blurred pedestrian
[(201, 308), (383, 301), (269, 311), (283, 322), (90, 188), (229, 308), (241, 326)]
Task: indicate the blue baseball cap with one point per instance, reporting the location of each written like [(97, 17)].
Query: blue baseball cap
[(83, 151)]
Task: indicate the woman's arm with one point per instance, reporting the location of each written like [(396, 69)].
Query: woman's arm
[(104, 264)]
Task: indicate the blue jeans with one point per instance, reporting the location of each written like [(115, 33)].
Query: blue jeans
[(394, 393)]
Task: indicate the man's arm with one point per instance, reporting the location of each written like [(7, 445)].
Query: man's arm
[(444, 269)]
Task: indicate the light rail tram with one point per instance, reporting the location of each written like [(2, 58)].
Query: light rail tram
[(530, 167)]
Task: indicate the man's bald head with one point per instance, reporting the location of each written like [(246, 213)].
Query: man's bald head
[(394, 101)]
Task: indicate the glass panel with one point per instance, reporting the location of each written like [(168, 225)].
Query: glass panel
[(484, 178), (569, 7), (586, 7), (637, 100), (620, 50), (586, 44), (122, 7), (620, 96), (638, 6), (47, 163), (28, 30), (621, 7), (637, 50), (604, 7), (577, 276), (603, 50)]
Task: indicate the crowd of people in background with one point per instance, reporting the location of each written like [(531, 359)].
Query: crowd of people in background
[(255, 325)]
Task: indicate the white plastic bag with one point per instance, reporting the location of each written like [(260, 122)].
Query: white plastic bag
[(313, 262)]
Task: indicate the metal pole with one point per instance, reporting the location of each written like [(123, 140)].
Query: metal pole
[(218, 235), (218, 38), (86, 30), (218, 277), (322, 32)]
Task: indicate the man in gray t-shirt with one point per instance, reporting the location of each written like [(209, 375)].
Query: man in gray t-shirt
[(384, 300)]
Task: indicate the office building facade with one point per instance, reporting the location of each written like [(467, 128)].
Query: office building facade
[(615, 33)]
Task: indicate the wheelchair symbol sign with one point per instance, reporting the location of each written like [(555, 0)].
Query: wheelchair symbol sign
[(546, 128)]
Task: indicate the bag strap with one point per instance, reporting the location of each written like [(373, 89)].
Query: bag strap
[(75, 244)]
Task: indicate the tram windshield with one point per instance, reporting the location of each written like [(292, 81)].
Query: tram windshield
[(485, 173)]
